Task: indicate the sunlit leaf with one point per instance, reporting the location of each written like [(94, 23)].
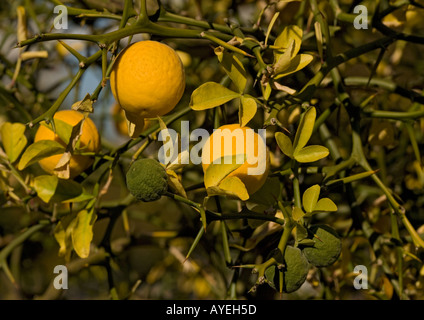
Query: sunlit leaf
[(82, 233), (248, 108), (40, 150), (210, 95), (311, 154), (233, 67), (230, 186), (297, 214), (14, 140), (284, 143), (326, 205), (216, 172), (310, 197), (297, 63), (284, 59), (289, 34), (304, 131), (52, 189)]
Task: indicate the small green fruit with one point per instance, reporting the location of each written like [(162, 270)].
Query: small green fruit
[(147, 180), (327, 247)]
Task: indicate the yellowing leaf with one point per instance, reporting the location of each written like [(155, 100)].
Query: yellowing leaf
[(304, 131), (233, 67), (297, 63), (135, 124), (40, 150), (311, 154), (310, 198), (175, 184), (210, 95), (297, 214), (284, 59), (63, 235), (216, 172), (231, 186), (326, 205), (248, 108), (82, 233), (50, 188), (13, 138), (271, 24), (289, 34), (85, 105), (284, 143)]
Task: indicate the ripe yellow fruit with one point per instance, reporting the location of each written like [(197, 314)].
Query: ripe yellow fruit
[(253, 182), (89, 141), (147, 79)]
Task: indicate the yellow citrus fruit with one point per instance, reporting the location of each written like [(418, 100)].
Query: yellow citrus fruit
[(147, 79), (118, 115), (251, 149), (89, 141)]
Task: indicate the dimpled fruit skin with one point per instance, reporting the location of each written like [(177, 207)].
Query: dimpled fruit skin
[(89, 141), (147, 180), (295, 270), (252, 182), (327, 247), (147, 79)]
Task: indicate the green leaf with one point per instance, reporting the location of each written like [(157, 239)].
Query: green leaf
[(14, 140), (284, 143), (82, 233), (234, 186), (297, 214), (310, 198), (326, 205), (210, 95), (233, 67), (301, 232), (248, 108), (297, 63), (289, 34), (216, 172), (40, 150), (304, 131), (311, 154), (52, 189)]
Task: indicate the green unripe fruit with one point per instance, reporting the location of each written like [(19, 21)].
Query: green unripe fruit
[(147, 180), (294, 271), (327, 247)]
